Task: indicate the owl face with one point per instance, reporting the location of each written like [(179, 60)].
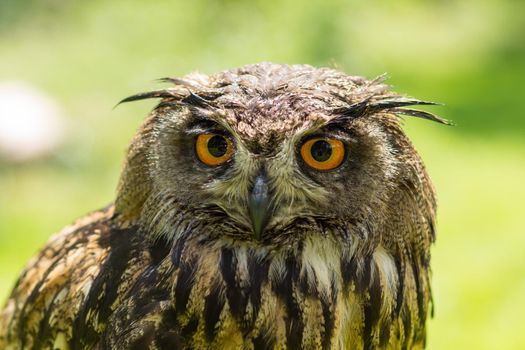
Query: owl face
[(267, 153), (315, 173)]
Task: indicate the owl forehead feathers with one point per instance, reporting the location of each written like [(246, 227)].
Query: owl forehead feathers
[(262, 105), (267, 102)]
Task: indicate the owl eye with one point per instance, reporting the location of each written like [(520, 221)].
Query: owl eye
[(213, 149), (323, 153)]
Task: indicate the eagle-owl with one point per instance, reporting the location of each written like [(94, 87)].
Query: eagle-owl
[(265, 207)]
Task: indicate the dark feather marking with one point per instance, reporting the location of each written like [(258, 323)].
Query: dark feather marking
[(263, 342), (304, 284), (258, 273), (105, 284), (159, 250), (401, 286), (372, 307), (364, 277), (348, 272), (213, 307), (384, 333), (407, 325), (432, 228), (185, 281), (237, 298), (419, 293), (307, 286), (284, 290), (191, 327), (406, 318), (169, 339), (344, 115), (327, 305), (45, 330), (172, 335)]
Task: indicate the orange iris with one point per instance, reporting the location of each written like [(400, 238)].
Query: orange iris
[(213, 149), (323, 153)]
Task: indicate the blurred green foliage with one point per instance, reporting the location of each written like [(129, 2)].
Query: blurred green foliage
[(469, 55)]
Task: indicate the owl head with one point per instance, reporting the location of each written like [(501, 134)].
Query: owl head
[(266, 153)]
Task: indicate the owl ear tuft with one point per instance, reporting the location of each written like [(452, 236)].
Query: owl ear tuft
[(392, 104), (164, 93), (185, 92), (396, 105), (172, 96), (422, 114)]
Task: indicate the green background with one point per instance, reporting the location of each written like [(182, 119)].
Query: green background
[(469, 55)]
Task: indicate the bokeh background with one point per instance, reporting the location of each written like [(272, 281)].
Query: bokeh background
[(82, 57)]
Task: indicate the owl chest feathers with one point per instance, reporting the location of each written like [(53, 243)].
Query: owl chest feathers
[(315, 295), (319, 293)]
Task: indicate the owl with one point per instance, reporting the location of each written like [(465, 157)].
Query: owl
[(270, 206)]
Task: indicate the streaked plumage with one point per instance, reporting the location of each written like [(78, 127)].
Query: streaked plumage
[(340, 261)]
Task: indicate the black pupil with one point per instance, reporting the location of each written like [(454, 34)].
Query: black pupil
[(321, 151), (217, 146)]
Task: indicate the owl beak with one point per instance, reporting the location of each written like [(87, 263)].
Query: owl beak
[(259, 204)]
